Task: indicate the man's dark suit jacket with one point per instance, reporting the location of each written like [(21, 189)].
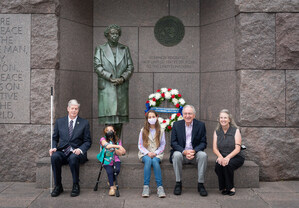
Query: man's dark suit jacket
[(81, 135), (178, 137)]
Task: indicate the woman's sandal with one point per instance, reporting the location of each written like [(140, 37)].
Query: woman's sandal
[(231, 193), (224, 192)]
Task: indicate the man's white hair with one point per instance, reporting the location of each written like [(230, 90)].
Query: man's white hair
[(73, 102), (190, 106)]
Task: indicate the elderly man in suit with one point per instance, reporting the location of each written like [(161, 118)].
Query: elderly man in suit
[(188, 141), (71, 140)]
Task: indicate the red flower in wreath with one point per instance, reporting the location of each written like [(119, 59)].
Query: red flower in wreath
[(164, 121), (163, 95), (177, 105), (169, 127), (154, 99), (178, 114), (169, 89), (158, 90), (172, 96), (179, 95), (147, 101)]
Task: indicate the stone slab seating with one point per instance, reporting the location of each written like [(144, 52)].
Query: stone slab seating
[(131, 174)]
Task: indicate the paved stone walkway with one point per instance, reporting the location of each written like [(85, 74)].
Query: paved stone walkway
[(270, 194)]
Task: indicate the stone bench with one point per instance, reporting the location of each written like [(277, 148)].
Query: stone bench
[(131, 175)]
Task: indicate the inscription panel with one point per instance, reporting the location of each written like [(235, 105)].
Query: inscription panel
[(15, 32), (169, 63), (155, 57)]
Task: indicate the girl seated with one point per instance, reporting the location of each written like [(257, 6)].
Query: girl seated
[(111, 143), (151, 147)]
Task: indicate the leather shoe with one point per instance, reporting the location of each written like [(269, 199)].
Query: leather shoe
[(201, 189), (231, 193), (57, 191), (178, 188), (75, 190)]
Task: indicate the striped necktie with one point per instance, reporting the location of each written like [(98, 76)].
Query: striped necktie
[(71, 128)]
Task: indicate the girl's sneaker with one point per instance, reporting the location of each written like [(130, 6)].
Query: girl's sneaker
[(146, 191), (161, 192)]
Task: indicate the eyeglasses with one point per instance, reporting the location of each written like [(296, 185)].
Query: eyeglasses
[(188, 114)]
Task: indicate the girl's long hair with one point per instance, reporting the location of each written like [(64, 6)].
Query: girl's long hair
[(231, 119), (146, 130), (105, 130)]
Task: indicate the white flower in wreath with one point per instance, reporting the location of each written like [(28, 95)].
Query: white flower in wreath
[(157, 95), (172, 124), (173, 116), (164, 89), (180, 118), (174, 92), (163, 125), (152, 103), (167, 95), (167, 121), (175, 101), (151, 96), (160, 120), (182, 101)]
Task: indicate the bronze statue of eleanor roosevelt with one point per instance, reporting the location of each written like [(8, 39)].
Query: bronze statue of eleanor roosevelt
[(114, 66)]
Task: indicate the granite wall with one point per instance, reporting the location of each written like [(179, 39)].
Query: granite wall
[(23, 142), (74, 77), (217, 62), (267, 63), (60, 56), (241, 55)]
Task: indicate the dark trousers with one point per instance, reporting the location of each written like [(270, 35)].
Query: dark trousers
[(226, 174), (110, 172), (58, 159)]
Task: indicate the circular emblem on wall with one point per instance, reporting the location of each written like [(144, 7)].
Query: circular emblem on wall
[(169, 31)]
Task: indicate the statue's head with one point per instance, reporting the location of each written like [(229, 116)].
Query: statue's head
[(113, 26)]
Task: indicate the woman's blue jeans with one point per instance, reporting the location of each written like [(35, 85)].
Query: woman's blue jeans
[(148, 163)]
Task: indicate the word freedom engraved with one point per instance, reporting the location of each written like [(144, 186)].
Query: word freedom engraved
[(15, 32), (169, 31)]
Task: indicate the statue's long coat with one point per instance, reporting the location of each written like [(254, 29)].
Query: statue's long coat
[(113, 100)]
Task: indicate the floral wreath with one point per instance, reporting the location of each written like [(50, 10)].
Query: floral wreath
[(172, 95)]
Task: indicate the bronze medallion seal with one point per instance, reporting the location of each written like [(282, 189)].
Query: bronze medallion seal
[(169, 31)]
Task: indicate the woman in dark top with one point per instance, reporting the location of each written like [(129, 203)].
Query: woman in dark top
[(227, 146)]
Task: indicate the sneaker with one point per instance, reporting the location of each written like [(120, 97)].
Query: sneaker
[(160, 192), (146, 191), (111, 191)]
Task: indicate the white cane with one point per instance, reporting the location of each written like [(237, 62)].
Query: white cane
[(51, 176)]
